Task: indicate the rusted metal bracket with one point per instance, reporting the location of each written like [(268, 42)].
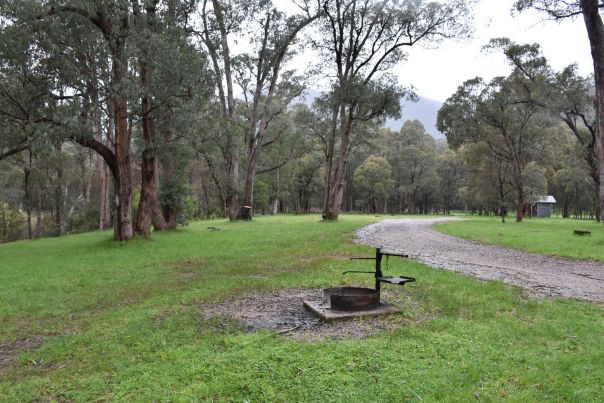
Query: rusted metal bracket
[(379, 276)]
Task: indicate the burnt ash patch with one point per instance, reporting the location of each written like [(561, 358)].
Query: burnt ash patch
[(283, 312)]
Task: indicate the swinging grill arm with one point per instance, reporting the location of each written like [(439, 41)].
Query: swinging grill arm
[(379, 276)]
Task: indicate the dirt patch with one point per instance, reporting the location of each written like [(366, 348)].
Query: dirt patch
[(283, 312), (10, 351), (188, 275), (190, 264)]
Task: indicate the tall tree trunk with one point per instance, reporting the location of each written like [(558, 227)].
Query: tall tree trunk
[(595, 32), (59, 196), (502, 204), (149, 209), (27, 193), (88, 172), (206, 193), (245, 212), (123, 181), (594, 173), (104, 195), (340, 177), (329, 155), (102, 167), (274, 203), (168, 177), (104, 177), (232, 197), (216, 182), (38, 230), (258, 129), (520, 201)]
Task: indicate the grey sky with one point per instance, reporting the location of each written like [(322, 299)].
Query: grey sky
[(436, 73)]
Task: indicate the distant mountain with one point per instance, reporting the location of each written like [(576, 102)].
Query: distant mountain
[(424, 110)]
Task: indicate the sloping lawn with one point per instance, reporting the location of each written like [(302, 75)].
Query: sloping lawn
[(549, 236), (121, 322)]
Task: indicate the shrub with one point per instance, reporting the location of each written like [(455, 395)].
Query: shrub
[(11, 223)]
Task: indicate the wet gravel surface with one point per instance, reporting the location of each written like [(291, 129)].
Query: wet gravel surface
[(541, 275)]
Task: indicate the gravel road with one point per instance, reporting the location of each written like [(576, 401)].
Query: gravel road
[(542, 275)]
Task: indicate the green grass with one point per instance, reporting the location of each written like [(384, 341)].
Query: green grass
[(121, 322), (551, 236)]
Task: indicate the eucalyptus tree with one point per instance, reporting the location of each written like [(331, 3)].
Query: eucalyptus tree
[(264, 81), (149, 208), (589, 10), (173, 86), (258, 72), (499, 115), (373, 180), (505, 113), (488, 183), (314, 122), (111, 20), (307, 180), (565, 95), (360, 41), (221, 21), (284, 143), (90, 79), (25, 98), (573, 104), (412, 154), (451, 172), (28, 103)]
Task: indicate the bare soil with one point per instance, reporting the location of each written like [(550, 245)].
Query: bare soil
[(283, 312), (541, 275), (10, 351)]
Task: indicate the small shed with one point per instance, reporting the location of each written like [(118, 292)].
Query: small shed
[(543, 206)]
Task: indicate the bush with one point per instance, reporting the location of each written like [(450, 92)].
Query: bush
[(11, 223)]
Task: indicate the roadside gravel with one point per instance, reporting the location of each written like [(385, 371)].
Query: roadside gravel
[(541, 275)]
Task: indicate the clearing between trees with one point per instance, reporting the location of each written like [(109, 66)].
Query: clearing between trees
[(83, 318)]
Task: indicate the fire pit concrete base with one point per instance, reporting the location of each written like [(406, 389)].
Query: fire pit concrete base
[(324, 311)]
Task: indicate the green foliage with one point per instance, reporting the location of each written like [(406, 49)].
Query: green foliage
[(11, 223), (176, 194), (451, 171), (412, 154), (535, 182), (374, 183), (261, 196), (488, 183), (84, 220)]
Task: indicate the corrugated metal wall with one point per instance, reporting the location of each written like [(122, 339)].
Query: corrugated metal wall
[(544, 210)]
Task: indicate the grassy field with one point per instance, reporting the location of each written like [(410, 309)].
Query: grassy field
[(552, 236), (121, 322)]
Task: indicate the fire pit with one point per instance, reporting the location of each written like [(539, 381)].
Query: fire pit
[(351, 299), (343, 302)]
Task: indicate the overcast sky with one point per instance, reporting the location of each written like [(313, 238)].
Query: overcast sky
[(436, 73)]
